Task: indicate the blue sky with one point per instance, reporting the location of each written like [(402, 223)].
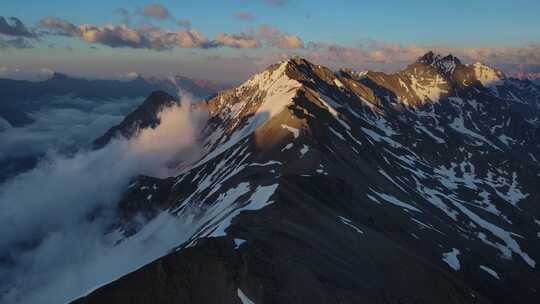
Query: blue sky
[(352, 24)]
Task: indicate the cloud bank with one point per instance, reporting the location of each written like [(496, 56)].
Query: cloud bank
[(63, 123), (391, 56), (55, 242), (156, 38)]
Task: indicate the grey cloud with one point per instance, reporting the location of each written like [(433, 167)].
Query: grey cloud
[(521, 62), (156, 11), (148, 37), (112, 35), (242, 41), (115, 36)]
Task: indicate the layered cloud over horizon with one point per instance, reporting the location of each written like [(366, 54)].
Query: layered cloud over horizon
[(64, 123), (159, 32)]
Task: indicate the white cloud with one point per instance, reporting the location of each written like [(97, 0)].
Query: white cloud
[(64, 123), (64, 207)]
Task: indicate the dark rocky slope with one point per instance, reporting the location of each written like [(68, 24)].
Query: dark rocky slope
[(324, 187)]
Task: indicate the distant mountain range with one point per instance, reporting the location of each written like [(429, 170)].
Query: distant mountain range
[(19, 97), (318, 186)]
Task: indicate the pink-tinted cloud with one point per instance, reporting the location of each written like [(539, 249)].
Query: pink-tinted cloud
[(274, 37), (242, 41), (149, 37), (245, 16), (124, 36), (368, 55), (59, 26), (392, 57), (155, 11), (191, 39), (529, 54)]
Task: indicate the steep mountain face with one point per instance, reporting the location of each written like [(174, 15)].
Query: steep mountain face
[(340, 187)]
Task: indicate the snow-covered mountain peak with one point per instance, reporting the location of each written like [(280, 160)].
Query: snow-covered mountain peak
[(265, 78), (237, 113)]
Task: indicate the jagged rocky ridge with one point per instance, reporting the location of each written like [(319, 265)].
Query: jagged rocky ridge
[(343, 187)]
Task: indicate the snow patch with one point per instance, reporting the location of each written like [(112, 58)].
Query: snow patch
[(294, 131), (259, 199), (492, 272), (238, 243), (304, 150), (451, 258), (392, 200), (348, 222), (243, 298)]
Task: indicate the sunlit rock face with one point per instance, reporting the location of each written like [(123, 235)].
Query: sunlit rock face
[(487, 75), (316, 186)]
